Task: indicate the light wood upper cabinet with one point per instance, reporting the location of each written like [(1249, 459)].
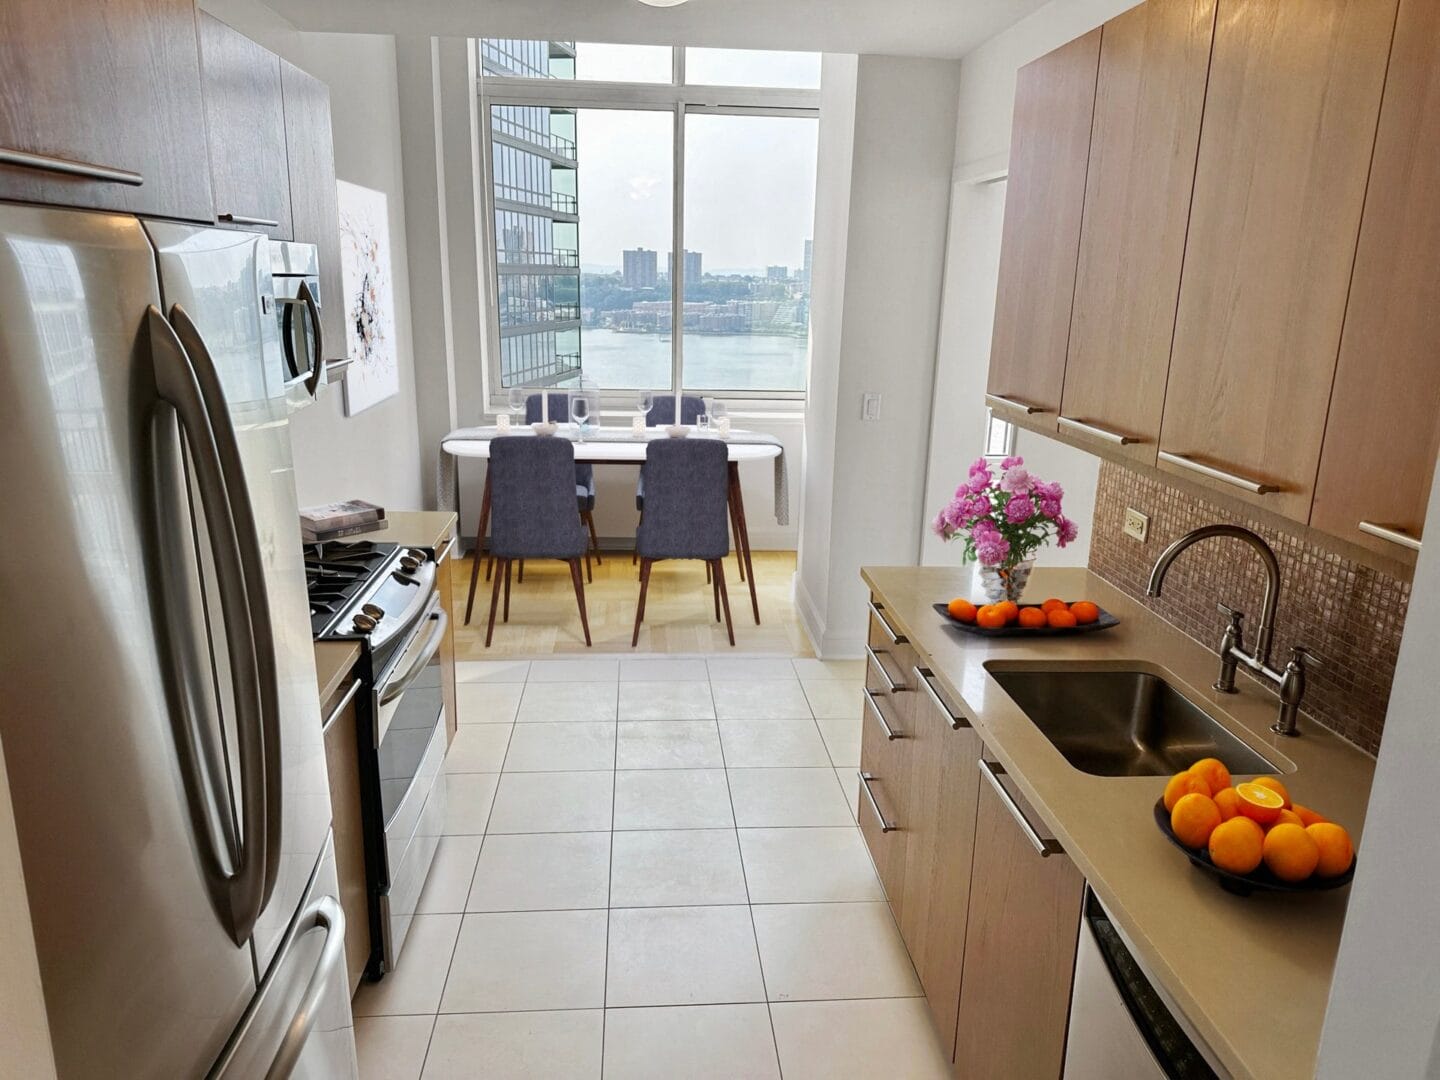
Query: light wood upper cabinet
[(1289, 125), (1383, 432), (245, 120), (314, 206), (1019, 947), (944, 794), (1148, 101), (118, 87), (1044, 200)]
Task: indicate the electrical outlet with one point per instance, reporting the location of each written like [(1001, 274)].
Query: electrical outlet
[(870, 406), (1137, 525)]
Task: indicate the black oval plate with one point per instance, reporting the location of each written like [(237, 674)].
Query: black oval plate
[(1105, 621), (1261, 879)]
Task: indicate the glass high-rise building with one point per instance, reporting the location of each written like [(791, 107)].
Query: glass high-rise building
[(537, 218)]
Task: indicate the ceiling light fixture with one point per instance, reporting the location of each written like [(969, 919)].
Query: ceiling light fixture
[(663, 3)]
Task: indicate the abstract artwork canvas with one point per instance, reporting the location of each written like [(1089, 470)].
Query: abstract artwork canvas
[(369, 297)]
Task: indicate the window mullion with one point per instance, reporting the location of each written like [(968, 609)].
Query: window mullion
[(677, 258)]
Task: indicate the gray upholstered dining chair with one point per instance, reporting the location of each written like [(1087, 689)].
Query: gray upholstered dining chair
[(584, 471), (532, 514), (687, 500)]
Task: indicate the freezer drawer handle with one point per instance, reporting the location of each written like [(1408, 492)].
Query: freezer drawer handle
[(890, 733), (1046, 847), (252, 563), (886, 825), (176, 384), (50, 163)]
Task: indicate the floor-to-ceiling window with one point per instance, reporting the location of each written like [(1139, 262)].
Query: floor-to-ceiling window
[(605, 161)]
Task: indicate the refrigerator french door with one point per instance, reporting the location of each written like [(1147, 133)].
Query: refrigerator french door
[(161, 736)]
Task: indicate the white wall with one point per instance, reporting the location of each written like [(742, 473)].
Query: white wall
[(886, 276), (1383, 1021), (982, 146), (375, 455)]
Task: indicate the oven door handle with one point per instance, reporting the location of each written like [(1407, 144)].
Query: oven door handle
[(395, 688)]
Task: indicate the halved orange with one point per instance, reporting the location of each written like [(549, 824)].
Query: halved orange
[(1274, 784), (1261, 804)]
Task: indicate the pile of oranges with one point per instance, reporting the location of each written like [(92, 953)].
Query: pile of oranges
[(1247, 824), (1053, 613)]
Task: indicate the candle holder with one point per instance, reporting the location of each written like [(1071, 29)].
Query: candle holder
[(637, 426), (502, 423)]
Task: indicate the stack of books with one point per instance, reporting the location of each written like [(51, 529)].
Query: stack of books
[(334, 520)]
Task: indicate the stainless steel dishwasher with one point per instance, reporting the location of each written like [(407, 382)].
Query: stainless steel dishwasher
[(1120, 1027)]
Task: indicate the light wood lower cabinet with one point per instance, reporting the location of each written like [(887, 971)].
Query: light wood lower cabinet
[(444, 585), (1019, 945), (885, 753), (342, 760)]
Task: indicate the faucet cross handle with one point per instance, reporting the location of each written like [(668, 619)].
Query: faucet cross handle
[(1232, 645), (1302, 656), (1230, 613)]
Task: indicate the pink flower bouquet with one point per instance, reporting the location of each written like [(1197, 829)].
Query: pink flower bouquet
[(1004, 521)]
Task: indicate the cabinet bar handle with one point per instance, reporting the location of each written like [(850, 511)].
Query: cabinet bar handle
[(886, 825), (891, 686), (890, 733), (1098, 432), (1395, 536), (895, 639), (47, 163), (991, 771), (1255, 487), (924, 675), (340, 705), (241, 219), (1005, 401)]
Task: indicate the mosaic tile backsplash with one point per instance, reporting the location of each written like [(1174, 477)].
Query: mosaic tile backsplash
[(1346, 613)]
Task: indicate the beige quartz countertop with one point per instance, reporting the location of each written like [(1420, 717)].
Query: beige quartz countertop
[(333, 661), (414, 528), (1250, 974)]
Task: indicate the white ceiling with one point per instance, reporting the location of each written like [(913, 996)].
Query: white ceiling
[(946, 28)]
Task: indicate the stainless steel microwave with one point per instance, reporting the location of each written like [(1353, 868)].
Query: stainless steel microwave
[(296, 271)]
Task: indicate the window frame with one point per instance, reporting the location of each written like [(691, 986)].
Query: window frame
[(674, 97)]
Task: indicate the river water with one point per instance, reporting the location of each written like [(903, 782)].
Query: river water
[(712, 361)]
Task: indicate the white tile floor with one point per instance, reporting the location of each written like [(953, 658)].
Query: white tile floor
[(652, 870)]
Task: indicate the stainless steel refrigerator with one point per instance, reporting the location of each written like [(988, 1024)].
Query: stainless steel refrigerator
[(161, 731)]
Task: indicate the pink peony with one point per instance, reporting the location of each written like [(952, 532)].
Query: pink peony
[(1020, 509), (1012, 462), (1016, 481), (1066, 530)]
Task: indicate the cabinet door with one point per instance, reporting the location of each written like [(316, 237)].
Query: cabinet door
[(1289, 126), (885, 756), (245, 120), (1044, 199), (1148, 100), (314, 207), (1019, 944), (342, 762), (944, 794), (117, 88), (1384, 428)]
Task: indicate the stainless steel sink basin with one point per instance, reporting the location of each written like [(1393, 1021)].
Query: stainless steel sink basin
[(1123, 723)]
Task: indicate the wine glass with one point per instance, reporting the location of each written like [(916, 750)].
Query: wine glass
[(719, 417), (515, 400), (580, 415), (702, 424), (644, 402)]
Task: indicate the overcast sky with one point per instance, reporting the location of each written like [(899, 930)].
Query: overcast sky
[(750, 181)]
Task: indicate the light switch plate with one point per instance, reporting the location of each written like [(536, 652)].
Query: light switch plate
[(870, 406), (1137, 525)]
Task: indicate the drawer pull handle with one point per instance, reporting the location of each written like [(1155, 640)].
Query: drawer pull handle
[(891, 686), (886, 825), (1244, 483), (340, 705), (895, 639), (48, 163), (1005, 401), (1097, 431), (890, 733), (991, 771), (923, 676), (1395, 536), (242, 219)]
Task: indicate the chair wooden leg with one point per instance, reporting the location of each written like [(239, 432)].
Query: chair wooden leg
[(634, 554), (589, 573), (738, 505), (494, 603), (707, 572), (580, 597), (739, 559), (508, 564), (640, 607), (489, 567), (594, 540), (521, 579), (479, 546), (724, 599), (714, 585)]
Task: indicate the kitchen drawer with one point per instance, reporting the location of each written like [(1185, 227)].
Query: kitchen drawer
[(884, 780)]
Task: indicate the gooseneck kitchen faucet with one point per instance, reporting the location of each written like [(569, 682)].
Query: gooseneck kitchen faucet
[(1291, 681)]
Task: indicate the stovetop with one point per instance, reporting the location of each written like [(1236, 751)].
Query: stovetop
[(336, 573)]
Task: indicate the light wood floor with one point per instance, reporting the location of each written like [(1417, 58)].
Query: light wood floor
[(679, 611)]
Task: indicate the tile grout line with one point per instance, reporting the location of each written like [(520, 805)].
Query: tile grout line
[(609, 881), (749, 906)]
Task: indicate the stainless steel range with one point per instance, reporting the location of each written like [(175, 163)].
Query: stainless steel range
[(383, 596)]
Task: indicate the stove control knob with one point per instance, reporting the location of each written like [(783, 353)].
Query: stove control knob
[(416, 554), (408, 564), (364, 623), (374, 611)]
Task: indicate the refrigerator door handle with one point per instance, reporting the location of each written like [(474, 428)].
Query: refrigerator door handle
[(252, 564), (176, 384), (324, 913), (317, 373)]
